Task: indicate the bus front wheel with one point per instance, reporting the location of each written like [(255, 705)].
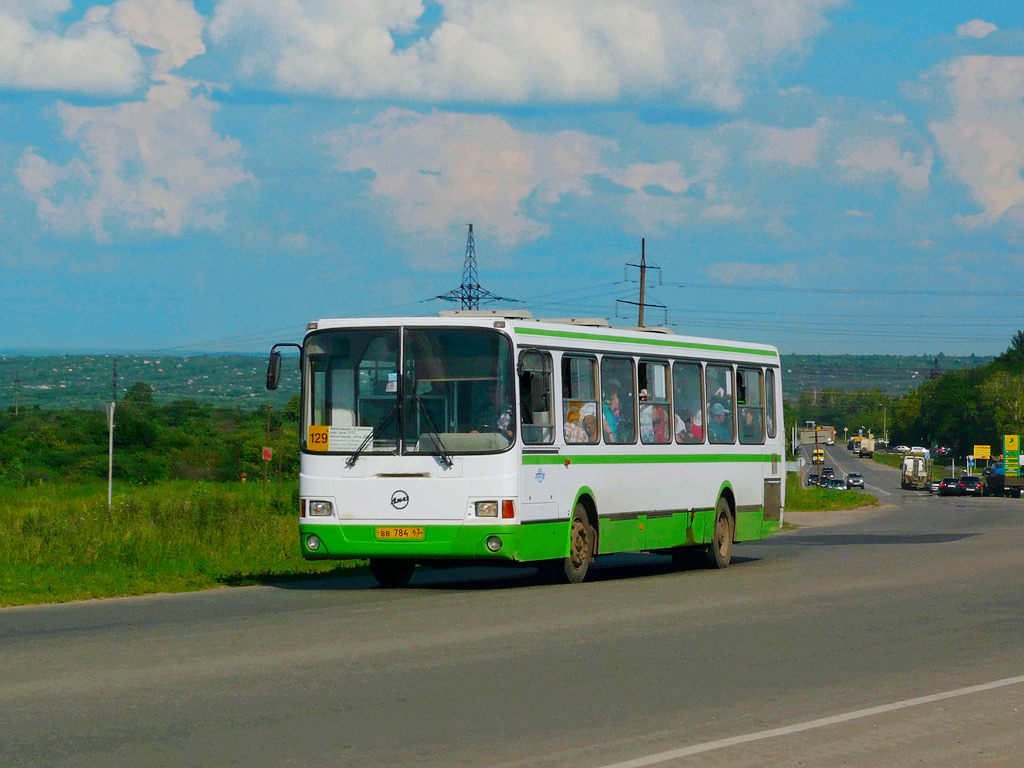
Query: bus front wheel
[(392, 573), (719, 553)]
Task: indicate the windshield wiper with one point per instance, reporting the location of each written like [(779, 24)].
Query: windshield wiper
[(351, 460), (435, 435)]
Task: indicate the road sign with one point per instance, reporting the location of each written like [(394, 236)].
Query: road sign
[(268, 454), (983, 451), (1011, 455)]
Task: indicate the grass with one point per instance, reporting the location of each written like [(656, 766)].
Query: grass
[(60, 542), (814, 499), (889, 459)]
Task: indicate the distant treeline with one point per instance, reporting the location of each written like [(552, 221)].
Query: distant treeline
[(958, 409), (183, 439)]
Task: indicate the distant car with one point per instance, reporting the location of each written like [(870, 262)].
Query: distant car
[(827, 473), (934, 486), (818, 455), (971, 485), (855, 480), (943, 451), (812, 478), (850, 445), (901, 449), (949, 486), (837, 484)]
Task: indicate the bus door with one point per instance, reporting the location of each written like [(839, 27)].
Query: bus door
[(540, 480)]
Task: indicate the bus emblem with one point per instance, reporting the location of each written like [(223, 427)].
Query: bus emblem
[(399, 499), (540, 476)]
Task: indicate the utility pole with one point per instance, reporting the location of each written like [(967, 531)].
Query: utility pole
[(642, 303), (643, 280), (110, 453), (113, 391)]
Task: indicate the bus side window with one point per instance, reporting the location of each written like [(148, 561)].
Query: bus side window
[(769, 398), (749, 408), (688, 420), (537, 405), (579, 399), (655, 402), (618, 400), (719, 393)]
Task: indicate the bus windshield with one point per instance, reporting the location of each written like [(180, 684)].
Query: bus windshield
[(457, 391), (458, 386)]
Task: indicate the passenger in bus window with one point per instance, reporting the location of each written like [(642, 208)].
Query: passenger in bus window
[(660, 430), (750, 424), (611, 411), (646, 419), (575, 432), (589, 422), (719, 429), (689, 426)]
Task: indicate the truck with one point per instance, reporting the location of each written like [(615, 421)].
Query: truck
[(917, 472), (998, 484), (867, 447)]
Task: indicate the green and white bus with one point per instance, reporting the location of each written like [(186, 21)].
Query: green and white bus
[(493, 437)]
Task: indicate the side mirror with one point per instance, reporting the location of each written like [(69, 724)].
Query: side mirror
[(274, 370)]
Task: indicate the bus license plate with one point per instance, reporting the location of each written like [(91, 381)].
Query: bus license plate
[(390, 532)]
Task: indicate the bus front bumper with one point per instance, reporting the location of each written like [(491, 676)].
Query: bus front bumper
[(439, 542)]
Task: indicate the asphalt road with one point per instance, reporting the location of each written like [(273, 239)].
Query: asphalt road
[(860, 639)]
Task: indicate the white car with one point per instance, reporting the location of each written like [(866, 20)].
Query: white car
[(901, 449)]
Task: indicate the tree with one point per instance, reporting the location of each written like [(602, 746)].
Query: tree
[(1004, 395), (140, 393), (1013, 358)]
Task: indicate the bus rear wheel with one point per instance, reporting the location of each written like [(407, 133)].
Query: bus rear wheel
[(581, 547), (392, 573), (719, 553)]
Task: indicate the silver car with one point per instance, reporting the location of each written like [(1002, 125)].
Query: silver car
[(855, 480)]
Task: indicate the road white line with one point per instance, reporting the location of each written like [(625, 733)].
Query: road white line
[(823, 722)]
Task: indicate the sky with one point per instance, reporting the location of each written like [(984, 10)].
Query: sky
[(825, 176)]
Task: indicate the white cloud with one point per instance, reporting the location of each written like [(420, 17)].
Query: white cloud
[(441, 169), (798, 147), (881, 159), (171, 27), (155, 165), (90, 56), (982, 142), (96, 55), (514, 51), (976, 28)]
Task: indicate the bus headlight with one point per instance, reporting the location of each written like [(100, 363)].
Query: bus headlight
[(487, 509), (320, 508), (313, 543)]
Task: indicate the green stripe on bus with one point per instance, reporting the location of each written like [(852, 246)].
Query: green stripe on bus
[(652, 342), (651, 458)]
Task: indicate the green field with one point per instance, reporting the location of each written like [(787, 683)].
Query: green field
[(60, 542)]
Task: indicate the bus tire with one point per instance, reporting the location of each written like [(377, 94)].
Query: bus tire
[(719, 552), (392, 573), (581, 546)]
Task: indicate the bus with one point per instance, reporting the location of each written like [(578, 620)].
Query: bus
[(494, 437)]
